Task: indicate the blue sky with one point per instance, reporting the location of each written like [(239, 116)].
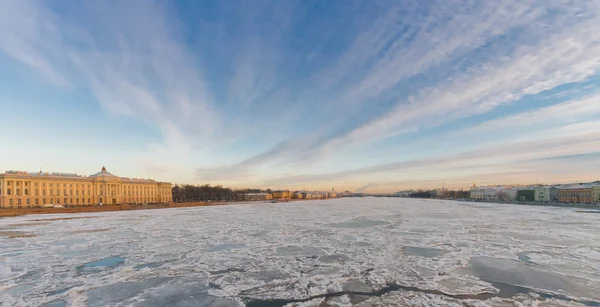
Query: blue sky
[(361, 95)]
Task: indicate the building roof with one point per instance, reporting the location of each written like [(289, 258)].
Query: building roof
[(103, 173), (583, 186), (100, 175)]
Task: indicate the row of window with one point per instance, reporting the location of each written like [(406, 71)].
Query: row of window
[(43, 201), (575, 194), (89, 192), (26, 183)]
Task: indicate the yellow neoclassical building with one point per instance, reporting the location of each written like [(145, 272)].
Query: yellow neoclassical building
[(26, 189)]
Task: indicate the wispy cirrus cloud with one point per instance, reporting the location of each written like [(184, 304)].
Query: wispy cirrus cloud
[(389, 52), (246, 93), (569, 56), (129, 57)]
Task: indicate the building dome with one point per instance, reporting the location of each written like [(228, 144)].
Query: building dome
[(103, 173)]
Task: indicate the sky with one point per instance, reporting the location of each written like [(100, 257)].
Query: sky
[(372, 96)]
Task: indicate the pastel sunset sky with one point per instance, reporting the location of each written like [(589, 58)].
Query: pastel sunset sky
[(373, 96)]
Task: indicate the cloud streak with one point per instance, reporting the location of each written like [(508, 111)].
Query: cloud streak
[(499, 156), (283, 93)]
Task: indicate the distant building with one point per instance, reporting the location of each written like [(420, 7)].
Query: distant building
[(546, 194), (526, 195), (588, 194), (281, 195), (26, 189), (485, 193), (478, 193), (512, 194), (297, 195), (257, 196), (462, 194), (508, 194)]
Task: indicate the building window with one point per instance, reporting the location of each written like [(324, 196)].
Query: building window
[(18, 183), (18, 192), (71, 200), (65, 193), (37, 192), (43, 201), (58, 200), (8, 192), (19, 202), (10, 202), (70, 192), (65, 201), (37, 201), (28, 202), (26, 191), (77, 201), (89, 201)]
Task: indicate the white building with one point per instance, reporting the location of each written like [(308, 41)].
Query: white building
[(485, 193), (477, 192), (546, 194)]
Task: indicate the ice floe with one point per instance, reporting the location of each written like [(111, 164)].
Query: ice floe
[(342, 252)]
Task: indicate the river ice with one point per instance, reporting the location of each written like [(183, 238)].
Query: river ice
[(342, 252)]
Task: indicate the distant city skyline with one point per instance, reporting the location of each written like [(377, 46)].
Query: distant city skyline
[(361, 95)]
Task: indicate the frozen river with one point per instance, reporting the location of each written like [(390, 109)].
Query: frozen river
[(343, 252)]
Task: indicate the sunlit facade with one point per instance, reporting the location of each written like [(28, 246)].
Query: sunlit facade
[(580, 194), (26, 189)]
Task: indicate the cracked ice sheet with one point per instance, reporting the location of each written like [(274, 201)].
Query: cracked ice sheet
[(216, 255)]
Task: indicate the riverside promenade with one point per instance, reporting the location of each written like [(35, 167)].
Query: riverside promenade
[(6, 212)]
